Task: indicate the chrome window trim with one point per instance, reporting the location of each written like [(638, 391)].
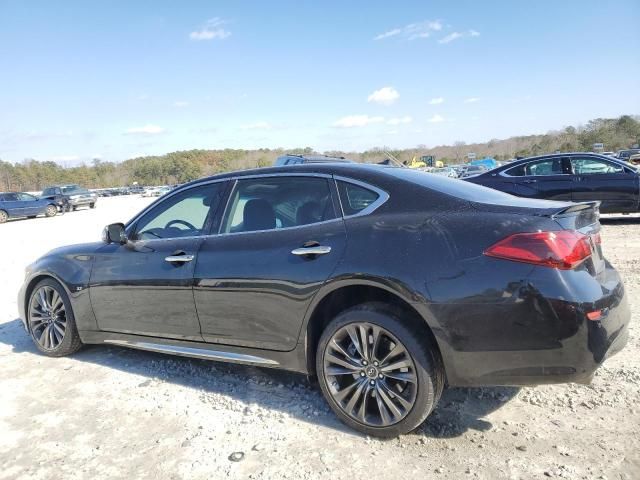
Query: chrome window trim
[(503, 173), (382, 196)]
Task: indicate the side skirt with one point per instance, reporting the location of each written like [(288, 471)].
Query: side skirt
[(293, 360)]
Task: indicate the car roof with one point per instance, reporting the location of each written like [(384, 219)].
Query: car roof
[(520, 161), (316, 158)]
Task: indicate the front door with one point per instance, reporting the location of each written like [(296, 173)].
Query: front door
[(279, 241), (145, 286), (548, 178), (616, 186)]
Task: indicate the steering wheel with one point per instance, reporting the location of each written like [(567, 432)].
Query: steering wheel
[(180, 222)]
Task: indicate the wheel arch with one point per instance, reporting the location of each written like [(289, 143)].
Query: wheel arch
[(344, 295)]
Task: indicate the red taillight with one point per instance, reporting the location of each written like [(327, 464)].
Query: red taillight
[(564, 249)]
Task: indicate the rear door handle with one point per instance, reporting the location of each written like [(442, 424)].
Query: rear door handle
[(314, 250), (529, 181), (179, 258)]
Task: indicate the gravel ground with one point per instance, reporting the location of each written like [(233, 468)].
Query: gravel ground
[(109, 412)]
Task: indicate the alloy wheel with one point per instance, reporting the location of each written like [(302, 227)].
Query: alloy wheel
[(47, 317), (370, 374)]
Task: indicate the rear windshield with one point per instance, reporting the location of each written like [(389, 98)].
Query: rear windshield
[(74, 189), (466, 190), (451, 186)]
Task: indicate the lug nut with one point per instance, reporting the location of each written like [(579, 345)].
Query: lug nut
[(375, 364), (362, 374), (364, 362), (380, 376), (372, 382)]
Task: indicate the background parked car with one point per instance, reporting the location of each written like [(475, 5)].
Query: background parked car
[(577, 177), (70, 197), (19, 204)]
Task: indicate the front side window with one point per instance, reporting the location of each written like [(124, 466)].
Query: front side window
[(50, 191), (355, 198), (182, 215), (279, 202), (594, 166), (25, 197), (10, 197), (550, 166)]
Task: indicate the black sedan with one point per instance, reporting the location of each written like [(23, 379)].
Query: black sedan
[(386, 283), (576, 177)]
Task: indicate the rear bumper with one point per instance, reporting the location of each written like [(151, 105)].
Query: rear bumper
[(537, 337)]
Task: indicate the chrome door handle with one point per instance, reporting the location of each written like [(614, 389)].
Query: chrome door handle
[(315, 250), (179, 258)]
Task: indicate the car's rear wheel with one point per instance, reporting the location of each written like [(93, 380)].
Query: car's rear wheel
[(51, 211), (92, 205), (74, 208), (51, 322), (32, 216), (378, 375), (4, 216)]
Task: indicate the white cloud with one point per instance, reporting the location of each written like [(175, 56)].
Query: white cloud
[(436, 119), (400, 120), (471, 100), (390, 33), (413, 30), (384, 96), (180, 104), (213, 29), (456, 35), (146, 130), (436, 101), (257, 126), (357, 121)]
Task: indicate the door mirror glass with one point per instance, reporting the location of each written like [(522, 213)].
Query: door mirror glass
[(114, 233)]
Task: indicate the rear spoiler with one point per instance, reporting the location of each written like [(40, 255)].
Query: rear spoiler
[(578, 208)]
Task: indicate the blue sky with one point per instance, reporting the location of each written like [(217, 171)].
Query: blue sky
[(113, 80)]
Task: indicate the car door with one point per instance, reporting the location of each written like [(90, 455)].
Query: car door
[(615, 185), (280, 239), (145, 286), (548, 178), (12, 205), (29, 204)]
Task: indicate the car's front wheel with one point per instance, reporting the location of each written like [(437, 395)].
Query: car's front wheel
[(51, 321), (92, 205), (51, 211), (4, 216), (379, 376)]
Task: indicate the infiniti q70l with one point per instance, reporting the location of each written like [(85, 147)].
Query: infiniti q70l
[(386, 283)]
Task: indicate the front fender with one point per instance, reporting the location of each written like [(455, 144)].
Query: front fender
[(72, 271)]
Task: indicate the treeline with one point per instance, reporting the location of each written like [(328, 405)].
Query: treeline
[(182, 166)]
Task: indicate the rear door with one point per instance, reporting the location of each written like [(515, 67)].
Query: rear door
[(12, 205), (614, 185), (280, 239)]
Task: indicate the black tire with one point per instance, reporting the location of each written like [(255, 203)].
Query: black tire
[(4, 216), (32, 216), (428, 375), (73, 208), (70, 341), (92, 205), (51, 211)]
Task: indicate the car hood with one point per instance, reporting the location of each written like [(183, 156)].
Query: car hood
[(77, 249)]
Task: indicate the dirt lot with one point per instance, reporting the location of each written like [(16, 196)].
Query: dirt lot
[(109, 412)]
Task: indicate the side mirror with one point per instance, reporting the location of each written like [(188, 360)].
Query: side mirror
[(114, 233)]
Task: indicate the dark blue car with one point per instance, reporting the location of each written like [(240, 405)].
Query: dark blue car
[(18, 204)]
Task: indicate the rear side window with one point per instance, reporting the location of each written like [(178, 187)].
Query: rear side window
[(355, 198), (267, 203), (593, 166), (10, 197)]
